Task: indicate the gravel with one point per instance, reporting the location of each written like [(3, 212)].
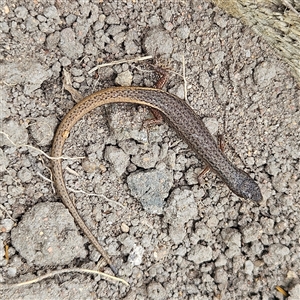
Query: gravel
[(170, 237), (158, 42), (50, 235), (118, 158), (151, 188), (4, 162), (16, 133), (30, 75), (200, 254)]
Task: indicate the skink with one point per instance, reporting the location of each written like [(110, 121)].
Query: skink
[(179, 115)]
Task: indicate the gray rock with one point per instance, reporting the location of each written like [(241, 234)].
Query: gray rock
[(129, 147), (220, 21), (4, 162), (156, 291), (130, 46), (181, 207), (158, 42), (136, 256), (135, 222), (43, 130), (6, 225), (281, 182), (51, 12), (203, 232), (155, 134), (211, 124), (178, 90), (150, 188), (204, 80), (4, 111), (231, 237), (252, 232), (124, 78), (192, 289), (112, 19), (146, 241), (219, 88), (264, 73), (233, 251), (4, 27), (25, 175), (128, 243), (272, 167), (207, 278), (15, 191), (168, 26), (154, 21), (169, 159), (46, 29), (90, 49), (12, 272), (52, 40), (183, 32), (274, 210), (281, 226), (212, 221), (221, 261), (70, 19), (257, 248), (276, 254), (200, 254), (47, 235), (267, 225), (118, 158), (26, 162), (181, 251), (115, 29), (89, 166), (177, 232), (31, 75), (31, 24), (65, 61), (249, 266), (21, 12), (69, 45), (294, 292), (217, 57), (79, 79), (221, 276), (81, 29), (166, 14), (147, 159), (17, 133)]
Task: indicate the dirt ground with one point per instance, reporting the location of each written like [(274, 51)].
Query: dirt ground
[(137, 188)]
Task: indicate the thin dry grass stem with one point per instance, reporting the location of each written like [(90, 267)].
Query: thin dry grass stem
[(39, 150), (117, 62), (58, 272), (97, 195)]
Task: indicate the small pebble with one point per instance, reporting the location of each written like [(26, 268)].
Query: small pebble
[(124, 228)]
